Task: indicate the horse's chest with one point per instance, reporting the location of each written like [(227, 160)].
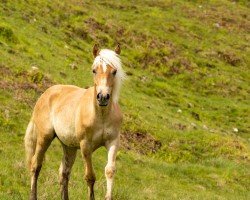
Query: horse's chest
[(102, 133)]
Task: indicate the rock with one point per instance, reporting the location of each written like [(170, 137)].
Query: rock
[(205, 127), (63, 74), (144, 79), (193, 125), (179, 111), (34, 68), (200, 187), (235, 130), (73, 66), (7, 114), (221, 183), (217, 25), (190, 105)]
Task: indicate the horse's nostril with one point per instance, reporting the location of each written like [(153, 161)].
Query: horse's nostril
[(101, 97), (98, 96)]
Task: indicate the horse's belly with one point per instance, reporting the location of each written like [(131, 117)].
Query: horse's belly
[(68, 139), (67, 135)]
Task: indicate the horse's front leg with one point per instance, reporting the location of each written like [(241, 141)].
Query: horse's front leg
[(112, 147), (89, 172)]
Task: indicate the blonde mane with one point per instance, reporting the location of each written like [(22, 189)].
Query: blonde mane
[(109, 57)]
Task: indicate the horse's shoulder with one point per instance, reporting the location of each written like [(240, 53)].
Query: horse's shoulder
[(86, 109)]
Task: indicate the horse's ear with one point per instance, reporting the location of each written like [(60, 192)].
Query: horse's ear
[(95, 50), (118, 49)]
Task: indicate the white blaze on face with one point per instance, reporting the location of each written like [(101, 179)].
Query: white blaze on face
[(104, 66), (103, 88)]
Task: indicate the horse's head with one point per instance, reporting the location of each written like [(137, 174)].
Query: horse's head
[(107, 74)]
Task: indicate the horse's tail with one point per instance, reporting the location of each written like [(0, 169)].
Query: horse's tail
[(30, 142)]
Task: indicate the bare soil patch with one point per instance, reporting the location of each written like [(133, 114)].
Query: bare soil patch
[(142, 143), (22, 82)]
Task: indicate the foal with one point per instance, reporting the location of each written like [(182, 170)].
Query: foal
[(79, 118)]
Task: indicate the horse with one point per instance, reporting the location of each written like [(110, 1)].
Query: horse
[(84, 119)]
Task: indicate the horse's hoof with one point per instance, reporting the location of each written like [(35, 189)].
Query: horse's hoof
[(33, 198), (92, 196)]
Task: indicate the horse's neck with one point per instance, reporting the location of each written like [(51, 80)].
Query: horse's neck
[(103, 112)]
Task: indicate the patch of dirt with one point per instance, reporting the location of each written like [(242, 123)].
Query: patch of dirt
[(142, 143), (88, 30), (35, 80), (163, 57), (230, 58), (21, 82), (180, 65), (227, 56), (6, 85), (180, 126), (4, 70), (226, 18), (118, 6), (94, 25)]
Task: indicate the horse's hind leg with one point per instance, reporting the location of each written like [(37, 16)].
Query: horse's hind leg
[(69, 155), (36, 163)]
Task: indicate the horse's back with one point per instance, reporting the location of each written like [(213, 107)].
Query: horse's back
[(56, 95)]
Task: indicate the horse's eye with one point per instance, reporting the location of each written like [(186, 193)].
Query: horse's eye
[(114, 72), (94, 71)]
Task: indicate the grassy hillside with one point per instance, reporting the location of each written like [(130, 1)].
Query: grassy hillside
[(186, 131)]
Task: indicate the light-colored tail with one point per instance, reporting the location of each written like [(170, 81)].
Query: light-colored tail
[(30, 142)]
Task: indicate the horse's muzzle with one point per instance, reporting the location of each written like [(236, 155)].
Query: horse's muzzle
[(103, 100)]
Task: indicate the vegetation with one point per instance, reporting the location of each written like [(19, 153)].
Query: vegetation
[(186, 131)]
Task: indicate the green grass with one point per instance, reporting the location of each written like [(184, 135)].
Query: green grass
[(187, 86)]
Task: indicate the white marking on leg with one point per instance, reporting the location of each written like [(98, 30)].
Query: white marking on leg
[(32, 182), (110, 168)]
